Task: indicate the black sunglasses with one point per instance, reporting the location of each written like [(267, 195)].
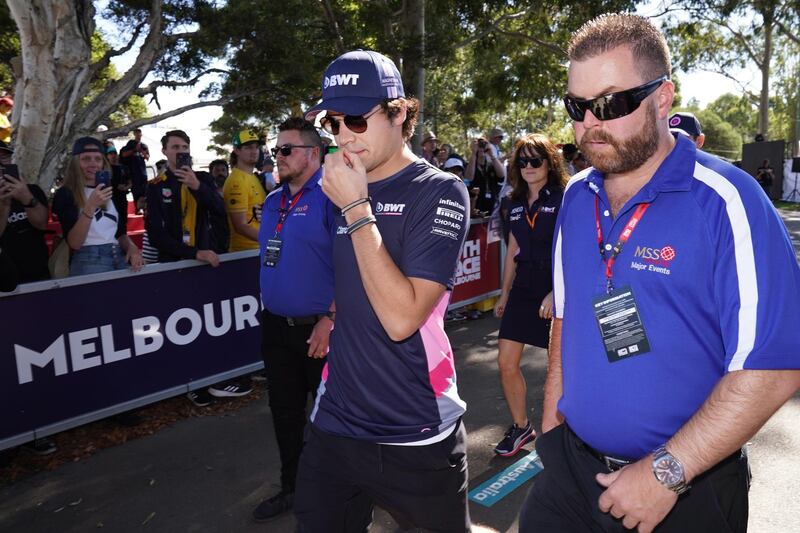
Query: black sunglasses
[(286, 149), (612, 105), (535, 162), (354, 123)]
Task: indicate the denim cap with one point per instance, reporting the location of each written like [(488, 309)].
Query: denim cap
[(356, 82)]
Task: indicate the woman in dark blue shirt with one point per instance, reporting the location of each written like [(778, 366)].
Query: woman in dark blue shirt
[(526, 302)]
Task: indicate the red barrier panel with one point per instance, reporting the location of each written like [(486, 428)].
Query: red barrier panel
[(478, 273)]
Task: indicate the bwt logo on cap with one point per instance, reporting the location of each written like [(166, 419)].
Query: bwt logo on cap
[(340, 79), (675, 121)]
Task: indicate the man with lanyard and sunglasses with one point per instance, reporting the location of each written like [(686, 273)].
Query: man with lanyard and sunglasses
[(386, 428), (297, 293), (675, 334)]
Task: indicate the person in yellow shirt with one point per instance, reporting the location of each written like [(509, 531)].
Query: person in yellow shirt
[(244, 195), (6, 103)]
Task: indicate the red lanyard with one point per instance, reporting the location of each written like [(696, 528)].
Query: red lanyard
[(285, 212), (636, 217)]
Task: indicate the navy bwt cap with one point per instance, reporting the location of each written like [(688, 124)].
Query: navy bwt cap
[(685, 122), (356, 82)]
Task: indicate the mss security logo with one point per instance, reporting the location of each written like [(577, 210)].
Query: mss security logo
[(657, 260)]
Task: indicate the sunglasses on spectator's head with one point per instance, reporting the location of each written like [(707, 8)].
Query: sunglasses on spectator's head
[(612, 105), (535, 162), (354, 123), (286, 149)]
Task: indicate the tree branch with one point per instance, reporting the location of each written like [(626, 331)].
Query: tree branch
[(329, 16), (553, 48), (106, 59), (153, 86), (123, 130), (787, 32), (493, 26), (743, 40)]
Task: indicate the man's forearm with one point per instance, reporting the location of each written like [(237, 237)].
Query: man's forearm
[(738, 406), (553, 384)]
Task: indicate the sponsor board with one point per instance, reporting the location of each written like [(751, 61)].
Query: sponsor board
[(504, 483)]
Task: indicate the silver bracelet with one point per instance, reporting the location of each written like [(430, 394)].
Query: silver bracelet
[(360, 223)]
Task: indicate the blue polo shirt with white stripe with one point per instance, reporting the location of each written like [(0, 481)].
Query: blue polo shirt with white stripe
[(301, 284), (716, 282)]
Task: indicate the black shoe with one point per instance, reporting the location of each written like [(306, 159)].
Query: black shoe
[(273, 507), (43, 446), (230, 389), (200, 397), (514, 439)]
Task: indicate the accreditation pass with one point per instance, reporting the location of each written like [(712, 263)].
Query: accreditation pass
[(621, 327)]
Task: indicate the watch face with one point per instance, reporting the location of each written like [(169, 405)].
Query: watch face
[(668, 471)]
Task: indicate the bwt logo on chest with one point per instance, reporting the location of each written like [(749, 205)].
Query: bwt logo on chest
[(340, 79)]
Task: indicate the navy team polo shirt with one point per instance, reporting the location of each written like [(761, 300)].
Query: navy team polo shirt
[(716, 282), (374, 388), (301, 284), (535, 245)]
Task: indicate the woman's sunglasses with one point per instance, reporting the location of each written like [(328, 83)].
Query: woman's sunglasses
[(286, 149), (354, 123), (535, 162), (613, 105)]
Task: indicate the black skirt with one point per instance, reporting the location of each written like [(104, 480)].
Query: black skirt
[(521, 322)]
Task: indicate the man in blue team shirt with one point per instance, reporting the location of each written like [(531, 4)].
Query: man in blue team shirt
[(297, 291), (386, 427), (674, 346)]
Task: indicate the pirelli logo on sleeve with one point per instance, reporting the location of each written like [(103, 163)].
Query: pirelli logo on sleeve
[(449, 219)]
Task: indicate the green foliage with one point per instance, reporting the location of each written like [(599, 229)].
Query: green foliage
[(722, 139), (9, 48), (739, 112)]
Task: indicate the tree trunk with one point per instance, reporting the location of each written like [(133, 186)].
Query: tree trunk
[(414, 63), (768, 15)]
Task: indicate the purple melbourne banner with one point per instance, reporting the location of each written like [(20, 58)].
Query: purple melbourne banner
[(80, 349)]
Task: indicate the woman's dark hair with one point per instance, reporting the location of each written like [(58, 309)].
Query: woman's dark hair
[(556, 172)]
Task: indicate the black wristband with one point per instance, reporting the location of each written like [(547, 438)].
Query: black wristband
[(360, 223), (358, 202)]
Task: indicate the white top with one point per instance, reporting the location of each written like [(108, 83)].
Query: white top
[(104, 224)]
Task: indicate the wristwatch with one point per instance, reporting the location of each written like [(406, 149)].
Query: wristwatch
[(33, 203), (668, 470)]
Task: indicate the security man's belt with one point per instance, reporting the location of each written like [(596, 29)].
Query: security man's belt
[(612, 463), (302, 320)]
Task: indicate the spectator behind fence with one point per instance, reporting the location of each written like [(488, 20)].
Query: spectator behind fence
[(120, 183), (526, 301), (244, 195), (179, 205), (91, 224), (267, 174), (6, 104), (765, 175), (686, 123), (495, 137), (23, 220), (218, 169), (486, 172), (570, 152), (134, 156), (429, 148)]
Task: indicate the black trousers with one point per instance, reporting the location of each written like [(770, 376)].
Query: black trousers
[(341, 478), (564, 496), (291, 376)]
